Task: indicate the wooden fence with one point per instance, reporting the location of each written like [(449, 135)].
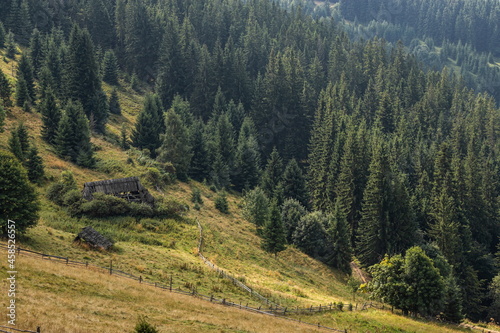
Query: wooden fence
[(9, 329), (271, 311)]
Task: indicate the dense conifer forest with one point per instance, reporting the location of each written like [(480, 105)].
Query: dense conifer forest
[(345, 147)]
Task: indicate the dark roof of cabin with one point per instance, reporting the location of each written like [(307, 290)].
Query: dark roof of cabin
[(115, 185), (94, 238)]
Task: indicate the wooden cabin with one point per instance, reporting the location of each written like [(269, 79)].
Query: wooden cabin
[(129, 189), (94, 239)]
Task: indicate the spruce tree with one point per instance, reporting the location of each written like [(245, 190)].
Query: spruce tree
[(51, 115), (274, 240), (3, 34), (175, 146), (22, 92), (110, 68), (5, 89), (10, 45), (18, 200), (2, 117), (247, 165), (291, 213), (256, 208), (114, 103), (25, 71), (294, 185), (34, 165), (149, 126), (341, 252), (272, 174), (36, 52), (25, 26), (199, 168), (15, 146)]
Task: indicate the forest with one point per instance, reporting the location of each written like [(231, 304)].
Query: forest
[(344, 147)]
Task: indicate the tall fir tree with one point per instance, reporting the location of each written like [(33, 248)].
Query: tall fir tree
[(51, 115), (25, 71), (114, 103), (294, 184), (34, 165), (149, 126), (5, 89), (247, 165), (272, 175), (274, 239), (110, 68)]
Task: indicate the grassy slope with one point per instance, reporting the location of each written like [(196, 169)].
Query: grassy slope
[(81, 298)]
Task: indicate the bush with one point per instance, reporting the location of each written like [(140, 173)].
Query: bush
[(143, 326), (105, 205), (170, 208), (140, 210), (196, 196), (73, 200), (55, 193), (221, 203)]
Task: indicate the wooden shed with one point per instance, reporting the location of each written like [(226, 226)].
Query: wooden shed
[(129, 189), (94, 239)]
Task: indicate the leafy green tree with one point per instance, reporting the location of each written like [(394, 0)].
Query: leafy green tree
[(256, 207), (291, 213), (110, 68), (51, 115), (34, 165), (175, 146), (311, 235), (273, 235), (18, 199)]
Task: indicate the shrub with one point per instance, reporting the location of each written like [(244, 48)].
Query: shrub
[(73, 200), (55, 193), (221, 203), (105, 205), (140, 210), (196, 196), (170, 208), (143, 326)]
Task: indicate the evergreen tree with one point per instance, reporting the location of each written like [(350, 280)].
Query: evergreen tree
[(272, 174), (36, 52), (175, 144), (15, 146), (19, 142), (341, 252), (34, 165), (24, 24), (2, 117), (110, 68), (114, 103), (10, 45), (18, 200), (311, 235), (294, 185), (124, 143), (22, 92), (199, 168), (274, 239), (51, 115), (25, 71), (5, 89), (3, 34), (247, 163), (149, 126), (73, 136)]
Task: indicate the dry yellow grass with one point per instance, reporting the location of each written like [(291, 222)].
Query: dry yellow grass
[(72, 300)]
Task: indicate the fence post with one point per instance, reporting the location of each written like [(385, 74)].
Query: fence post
[(140, 278), (111, 267), (170, 283), (211, 298), (67, 259), (38, 329), (86, 264)]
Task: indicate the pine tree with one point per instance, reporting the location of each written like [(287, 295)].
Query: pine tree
[(25, 71), (15, 146), (2, 118), (10, 45), (149, 126), (36, 52), (247, 163), (51, 115), (274, 239), (18, 200), (372, 236), (272, 174), (341, 253), (256, 208), (34, 165), (3, 34), (110, 68), (22, 92), (294, 185), (199, 168), (25, 23), (114, 103), (175, 144), (5, 89), (124, 143)]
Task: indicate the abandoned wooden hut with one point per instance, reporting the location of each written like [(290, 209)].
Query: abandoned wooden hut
[(94, 239), (129, 189)]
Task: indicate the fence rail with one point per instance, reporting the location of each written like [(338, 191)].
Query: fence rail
[(275, 312), (10, 329)]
